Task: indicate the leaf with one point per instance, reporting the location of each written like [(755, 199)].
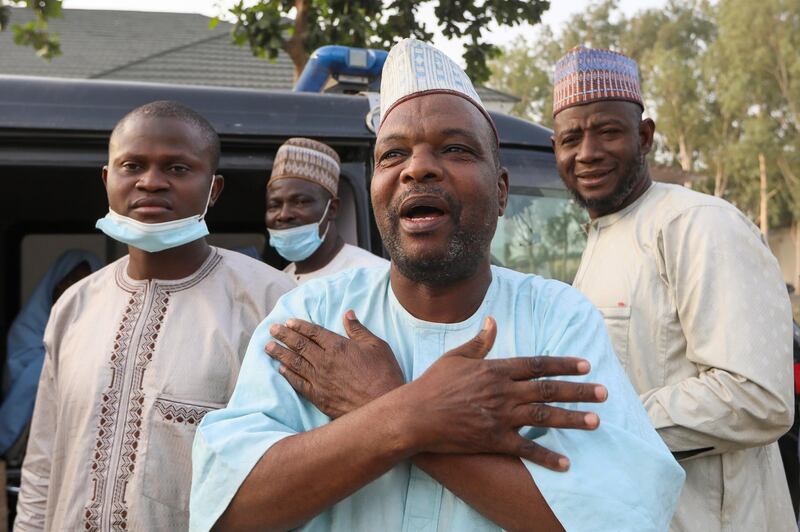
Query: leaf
[(377, 23)]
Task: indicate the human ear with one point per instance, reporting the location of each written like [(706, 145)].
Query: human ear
[(502, 191), (333, 209), (216, 189), (647, 129)]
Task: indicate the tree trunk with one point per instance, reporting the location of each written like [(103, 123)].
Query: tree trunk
[(764, 195), (296, 45), (720, 179), (685, 156), (796, 278)]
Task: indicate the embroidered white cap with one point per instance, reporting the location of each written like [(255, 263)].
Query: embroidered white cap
[(414, 68)]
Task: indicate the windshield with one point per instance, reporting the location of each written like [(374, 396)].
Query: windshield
[(540, 233)]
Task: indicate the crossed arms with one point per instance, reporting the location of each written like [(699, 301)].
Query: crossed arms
[(458, 422)]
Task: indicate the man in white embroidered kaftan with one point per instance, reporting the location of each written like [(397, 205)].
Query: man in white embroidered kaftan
[(138, 352)]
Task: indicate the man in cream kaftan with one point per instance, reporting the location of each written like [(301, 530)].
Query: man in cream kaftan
[(131, 368)]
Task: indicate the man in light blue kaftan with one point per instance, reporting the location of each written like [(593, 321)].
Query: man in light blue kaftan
[(434, 415), (26, 343), (622, 477)]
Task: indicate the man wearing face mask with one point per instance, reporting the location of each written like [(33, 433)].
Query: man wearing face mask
[(301, 212), (138, 352)]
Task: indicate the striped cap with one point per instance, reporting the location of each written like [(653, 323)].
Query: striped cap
[(307, 159), (414, 68), (586, 75)]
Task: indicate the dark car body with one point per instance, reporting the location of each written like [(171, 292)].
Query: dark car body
[(53, 144)]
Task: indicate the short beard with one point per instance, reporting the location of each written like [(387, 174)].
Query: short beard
[(467, 247), (632, 174)]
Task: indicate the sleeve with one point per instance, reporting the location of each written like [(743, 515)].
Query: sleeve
[(35, 481), (16, 409), (263, 410), (736, 317), (621, 477)]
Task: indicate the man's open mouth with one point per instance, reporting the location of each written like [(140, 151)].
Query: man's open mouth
[(423, 213)]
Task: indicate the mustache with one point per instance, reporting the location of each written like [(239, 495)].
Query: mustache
[(435, 190)]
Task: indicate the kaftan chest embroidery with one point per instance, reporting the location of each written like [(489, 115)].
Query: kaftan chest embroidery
[(120, 424)]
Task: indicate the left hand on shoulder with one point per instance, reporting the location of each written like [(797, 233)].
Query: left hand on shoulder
[(335, 373)]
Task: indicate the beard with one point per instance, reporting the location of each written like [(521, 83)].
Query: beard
[(467, 247), (632, 173)]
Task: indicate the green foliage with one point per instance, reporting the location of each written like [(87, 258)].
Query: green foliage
[(34, 33), (301, 26), (721, 79), (525, 70)]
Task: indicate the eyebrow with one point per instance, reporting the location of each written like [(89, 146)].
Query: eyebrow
[(447, 132), (568, 131), (391, 138), (458, 132), (593, 124)]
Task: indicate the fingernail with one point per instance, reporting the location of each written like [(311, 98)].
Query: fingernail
[(591, 419), (291, 323), (350, 315), (269, 347), (486, 322), (274, 328), (584, 366), (563, 463), (601, 393), (281, 369)]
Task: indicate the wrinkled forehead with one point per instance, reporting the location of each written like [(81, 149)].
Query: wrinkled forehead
[(596, 114), (433, 115)]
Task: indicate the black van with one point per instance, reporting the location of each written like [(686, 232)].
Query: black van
[(53, 142)]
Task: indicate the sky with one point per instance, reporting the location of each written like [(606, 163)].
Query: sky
[(559, 12)]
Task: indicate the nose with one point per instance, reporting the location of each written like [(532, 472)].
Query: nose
[(423, 165), (590, 149), (152, 181), (286, 214)]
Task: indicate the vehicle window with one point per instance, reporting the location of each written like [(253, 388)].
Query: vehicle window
[(540, 233), (249, 243), (531, 168), (346, 220)]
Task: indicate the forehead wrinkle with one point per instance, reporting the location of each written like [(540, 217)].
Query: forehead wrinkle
[(593, 121), (432, 109), (459, 132)]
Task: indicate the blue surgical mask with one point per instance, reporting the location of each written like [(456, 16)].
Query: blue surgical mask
[(298, 243), (158, 236)]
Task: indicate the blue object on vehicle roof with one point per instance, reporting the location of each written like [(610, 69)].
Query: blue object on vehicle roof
[(335, 60)]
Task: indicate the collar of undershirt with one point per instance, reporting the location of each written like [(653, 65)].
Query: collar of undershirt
[(477, 316)]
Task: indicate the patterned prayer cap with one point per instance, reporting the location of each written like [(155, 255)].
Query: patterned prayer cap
[(414, 68), (307, 159), (586, 75)]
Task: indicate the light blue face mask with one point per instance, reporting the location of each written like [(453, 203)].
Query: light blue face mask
[(155, 237), (299, 243)]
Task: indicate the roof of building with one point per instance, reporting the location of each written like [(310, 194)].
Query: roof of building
[(672, 174), (156, 47), (145, 46)]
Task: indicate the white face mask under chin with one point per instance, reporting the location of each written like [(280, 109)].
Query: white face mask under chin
[(299, 243), (157, 236)]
